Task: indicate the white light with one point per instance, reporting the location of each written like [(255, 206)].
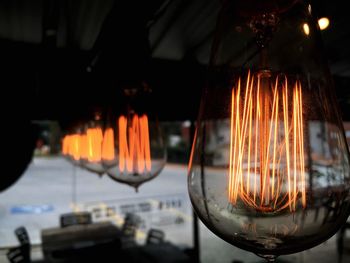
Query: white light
[(323, 23), (306, 29)]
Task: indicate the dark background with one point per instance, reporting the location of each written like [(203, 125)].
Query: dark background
[(62, 59)]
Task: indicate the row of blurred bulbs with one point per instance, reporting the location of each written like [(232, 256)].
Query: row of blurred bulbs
[(130, 150)]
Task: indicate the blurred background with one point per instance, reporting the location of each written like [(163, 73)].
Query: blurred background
[(62, 60)]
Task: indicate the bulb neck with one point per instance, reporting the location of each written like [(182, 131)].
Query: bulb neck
[(264, 69), (248, 8), (264, 25)]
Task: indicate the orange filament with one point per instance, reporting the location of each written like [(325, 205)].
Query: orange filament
[(84, 146), (266, 166), (91, 146), (134, 144), (71, 146), (108, 145), (94, 144), (76, 147)]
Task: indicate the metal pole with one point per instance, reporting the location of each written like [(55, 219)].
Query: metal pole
[(74, 186), (196, 251)]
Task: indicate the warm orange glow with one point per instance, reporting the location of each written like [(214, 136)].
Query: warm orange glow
[(71, 146), (266, 165), (94, 144), (65, 145), (108, 145), (83, 146), (134, 144)]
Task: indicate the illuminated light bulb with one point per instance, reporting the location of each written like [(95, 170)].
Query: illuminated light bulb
[(71, 147), (306, 29), (65, 145), (139, 153), (92, 142), (83, 147), (134, 145), (269, 169), (75, 147), (108, 153), (323, 23)]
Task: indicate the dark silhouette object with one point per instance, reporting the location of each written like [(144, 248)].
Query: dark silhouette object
[(18, 146), (22, 236), (16, 255), (20, 254), (129, 228), (80, 218), (155, 236), (340, 241), (97, 242)]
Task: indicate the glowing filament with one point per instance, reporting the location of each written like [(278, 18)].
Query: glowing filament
[(84, 146), (266, 165), (108, 145), (71, 145), (134, 144), (94, 144)]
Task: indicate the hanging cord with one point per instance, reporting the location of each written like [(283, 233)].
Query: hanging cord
[(158, 14)]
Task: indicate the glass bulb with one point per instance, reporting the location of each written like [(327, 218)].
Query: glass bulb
[(71, 147), (269, 168), (93, 148), (139, 153)]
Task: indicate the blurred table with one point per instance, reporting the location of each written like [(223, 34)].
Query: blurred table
[(156, 253), (79, 241)]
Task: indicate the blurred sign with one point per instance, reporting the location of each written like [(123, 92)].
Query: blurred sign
[(155, 212), (31, 209)]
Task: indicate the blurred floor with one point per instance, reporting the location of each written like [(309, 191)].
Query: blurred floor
[(45, 191)]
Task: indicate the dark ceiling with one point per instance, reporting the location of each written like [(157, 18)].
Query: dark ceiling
[(60, 59)]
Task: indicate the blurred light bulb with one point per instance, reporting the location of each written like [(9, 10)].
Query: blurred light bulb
[(323, 23), (108, 145), (139, 153), (306, 29), (71, 147), (89, 148), (94, 144), (92, 150)]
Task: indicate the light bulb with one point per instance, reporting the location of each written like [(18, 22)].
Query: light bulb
[(71, 147), (92, 149), (323, 23), (95, 145), (139, 152), (269, 167)]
